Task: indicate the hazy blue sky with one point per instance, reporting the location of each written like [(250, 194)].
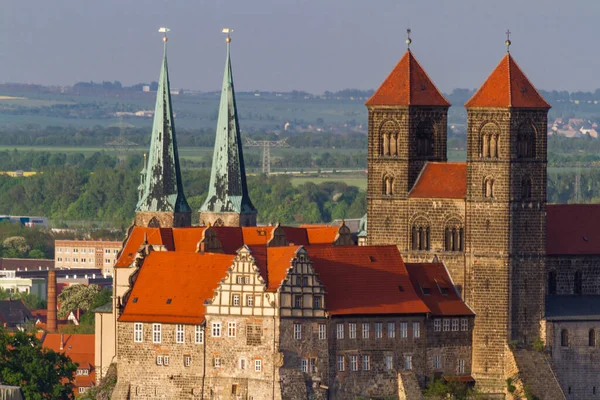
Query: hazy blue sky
[(314, 45)]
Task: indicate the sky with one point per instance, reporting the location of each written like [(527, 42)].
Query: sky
[(311, 45)]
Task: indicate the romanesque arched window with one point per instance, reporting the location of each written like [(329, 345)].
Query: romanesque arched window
[(552, 282), (420, 235), (526, 141), (388, 185), (425, 138), (219, 222), (154, 223), (592, 338), (389, 138), (564, 338), (578, 283), (526, 188), (454, 235), (488, 188), (489, 135)]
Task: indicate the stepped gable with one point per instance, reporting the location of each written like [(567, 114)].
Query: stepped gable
[(434, 286), (507, 86), (572, 229), (172, 287), (441, 180), (408, 85), (375, 276)]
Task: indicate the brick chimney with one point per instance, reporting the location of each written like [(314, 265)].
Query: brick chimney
[(51, 324)]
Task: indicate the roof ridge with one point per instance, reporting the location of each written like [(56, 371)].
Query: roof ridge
[(409, 76), (510, 94)]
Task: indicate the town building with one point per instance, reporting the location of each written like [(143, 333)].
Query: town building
[(10, 283), (14, 315), (74, 254)]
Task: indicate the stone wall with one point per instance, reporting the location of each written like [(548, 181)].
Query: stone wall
[(163, 219), (228, 219), (565, 268)]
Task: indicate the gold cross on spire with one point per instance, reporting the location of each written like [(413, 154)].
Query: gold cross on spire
[(508, 42)]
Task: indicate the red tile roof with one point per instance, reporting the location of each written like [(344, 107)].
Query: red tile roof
[(156, 236), (81, 350), (188, 279), (273, 263), (408, 85), (231, 238), (366, 280), (257, 235), (442, 297), (572, 229), (186, 239), (441, 180), (507, 86), (322, 235)]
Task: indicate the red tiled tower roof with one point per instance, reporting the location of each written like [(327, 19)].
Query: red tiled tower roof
[(507, 86), (441, 180), (408, 85)]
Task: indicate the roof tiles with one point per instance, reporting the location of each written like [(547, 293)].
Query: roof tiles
[(441, 180)]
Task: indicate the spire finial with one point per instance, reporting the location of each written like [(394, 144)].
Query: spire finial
[(228, 31), (408, 39), (508, 42), (164, 30)]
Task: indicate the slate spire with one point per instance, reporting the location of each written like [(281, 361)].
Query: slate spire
[(162, 202), (228, 202)]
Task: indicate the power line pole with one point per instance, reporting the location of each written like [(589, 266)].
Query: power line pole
[(266, 150)]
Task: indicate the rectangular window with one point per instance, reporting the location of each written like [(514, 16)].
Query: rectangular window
[(187, 360), (304, 365), (239, 280), (246, 280), (231, 329), (446, 325), (217, 362), (437, 361), (234, 389), (366, 362), (455, 325), (235, 300), (340, 331), (389, 362), (341, 364), (464, 324), (199, 335), (180, 333), (391, 330), (352, 333), (258, 365), (403, 330), (106, 251), (354, 362), (437, 325), (216, 329), (365, 331), (317, 302), (156, 333), (322, 331), (250, 300), (165, 360), (313, 365), (378, 330), (138, 332), (298, 301), (297, 331), (416, 330), (408, 363), (75, 250), (158, 360), (461, 366)]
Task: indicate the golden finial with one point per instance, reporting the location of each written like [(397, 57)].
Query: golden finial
[(164, 30), (228, 31), (408, 39), (508, 42)]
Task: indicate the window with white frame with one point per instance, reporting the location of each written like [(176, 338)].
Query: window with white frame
[(446, 325), (391, 330), (365, 331), (389, 362), (187, 360), (246, 280), (403, 330), (179, 333), (165, 360), (317, 302), (341, 364), (156, 333), (352, 331), (378, 330), (257, 365), (199, 335), (437, 325), (239, 280), (235, 300), (304, 365), (322, 331), (455, 325), (461, 366), (366, 362), (159, 360), (231, 329), (298, 301), (340, 331), (138, 332), (408, 363), (416, 330), (216, 329), (354, 362), (464, 324), (298, 331), (437, 361), (217, 362), (250, 300)]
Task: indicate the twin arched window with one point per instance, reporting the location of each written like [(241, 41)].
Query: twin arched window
[(454, 238), (420, 234), (389, 139), (526, 141), (489, 141), (425, 138)]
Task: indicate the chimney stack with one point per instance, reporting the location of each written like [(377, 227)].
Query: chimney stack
[(51, 324)]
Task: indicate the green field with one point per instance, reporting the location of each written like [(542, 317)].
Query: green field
[(350, 180)]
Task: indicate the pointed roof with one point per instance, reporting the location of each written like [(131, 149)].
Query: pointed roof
[(507, 86), (161, 181), (228, 191), (408, 85)]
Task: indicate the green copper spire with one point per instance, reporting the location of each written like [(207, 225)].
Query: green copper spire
[(228, 192), (161, 189)]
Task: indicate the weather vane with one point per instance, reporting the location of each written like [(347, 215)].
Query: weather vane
[(164, 30), (228, 31), (408, 39), (508, 42)]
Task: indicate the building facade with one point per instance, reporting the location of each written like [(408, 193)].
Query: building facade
[(73, 254)]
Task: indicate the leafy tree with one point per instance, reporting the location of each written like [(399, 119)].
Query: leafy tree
[(77, 296), (104, 389), (41, 373), (438, 389)]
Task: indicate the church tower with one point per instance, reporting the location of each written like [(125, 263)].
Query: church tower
[(407, 128), (506, 225), (228, 202), (162, 202)]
